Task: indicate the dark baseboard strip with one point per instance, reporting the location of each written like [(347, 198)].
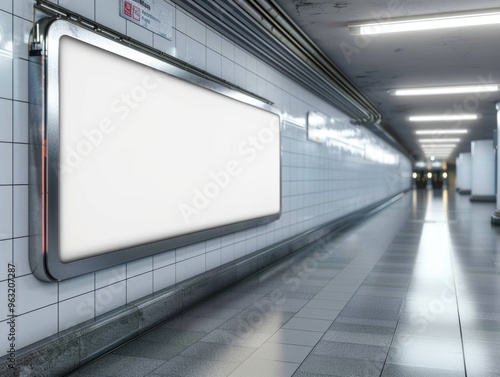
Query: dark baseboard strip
[(73, 348), (483, 198)]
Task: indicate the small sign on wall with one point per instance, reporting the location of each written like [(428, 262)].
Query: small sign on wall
[(154, 15)]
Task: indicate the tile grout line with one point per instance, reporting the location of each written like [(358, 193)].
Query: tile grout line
[(450, 248)]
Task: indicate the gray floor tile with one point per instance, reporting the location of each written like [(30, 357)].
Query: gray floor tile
[(307, 324), (191, 367), (237, 338), (378, 303), (234, 300), (151, 350), (336, 296), (122, 366), (306, 374), (482, 356), (193, 323), (267, 325), (362, 328), (206, 311), (318, 313), (258, 367), (297, 337), (439, 353), (325, 304), (395, 370), (381, 292), (173, 336), (351, 351), (358, 338), (221, 352), (341, 367), (480, 373), (282, 352), (369, 313), (334, 287), (367, 321)]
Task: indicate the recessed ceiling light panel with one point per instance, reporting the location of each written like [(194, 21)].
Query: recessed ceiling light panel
[(441, 140), (481, 18), (443, 118), (445, 90), (440, 132)]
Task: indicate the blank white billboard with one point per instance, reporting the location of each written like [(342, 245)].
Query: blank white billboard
[(143, 157)]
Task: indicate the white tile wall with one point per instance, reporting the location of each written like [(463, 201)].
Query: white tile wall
[(21, 211), (140, 266), (139, 286), (5, 74), (21, 259), (163, 277), (33, 294), (6, 31), (24, 8), (110, 297), (5, 212), (5, 257), (6, 124), (6, 5), (36, 325), (319, 183), (83, 7), (22, 30), (76, 310), (107, 14), (76, 286), (6, 168)]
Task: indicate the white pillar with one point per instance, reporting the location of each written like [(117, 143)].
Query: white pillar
[(483, 171), (457, 174), (465, 173), (495, 218)]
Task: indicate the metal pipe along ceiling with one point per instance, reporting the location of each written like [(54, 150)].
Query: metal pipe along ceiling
[(314, 57), (261, 27)]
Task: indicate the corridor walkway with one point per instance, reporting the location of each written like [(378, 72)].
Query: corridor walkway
[(412, 291)]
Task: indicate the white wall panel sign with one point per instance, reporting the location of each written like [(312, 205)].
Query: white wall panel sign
[(140, 159), (154, 15)]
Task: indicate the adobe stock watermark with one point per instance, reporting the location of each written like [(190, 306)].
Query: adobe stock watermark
[(220, 180), (393, 9), (120, 109)]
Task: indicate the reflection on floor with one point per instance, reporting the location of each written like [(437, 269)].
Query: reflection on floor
[(412, 291)]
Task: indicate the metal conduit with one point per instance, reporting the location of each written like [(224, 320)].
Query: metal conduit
[(262, 28), (235, 23), (297, 41)]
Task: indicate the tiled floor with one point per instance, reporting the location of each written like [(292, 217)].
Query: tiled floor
[(412, 291)]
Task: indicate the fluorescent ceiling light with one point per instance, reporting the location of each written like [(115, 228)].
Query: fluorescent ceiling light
[(439, 140), (427, 23), (440, 132), (438, 149), (438, 145), (442, 118), (445, 90)]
